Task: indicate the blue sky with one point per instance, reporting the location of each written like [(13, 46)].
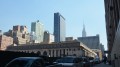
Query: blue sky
[(76, 12)]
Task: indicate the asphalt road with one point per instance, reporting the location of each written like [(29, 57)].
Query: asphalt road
[(102, 65)]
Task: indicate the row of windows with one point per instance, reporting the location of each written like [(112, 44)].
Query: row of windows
[(62, 52)]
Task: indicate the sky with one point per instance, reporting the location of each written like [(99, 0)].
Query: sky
[(76, 12)]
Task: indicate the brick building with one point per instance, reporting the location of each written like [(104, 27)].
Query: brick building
[(16, 28), (23, 29), (19, 34), (5, 41)]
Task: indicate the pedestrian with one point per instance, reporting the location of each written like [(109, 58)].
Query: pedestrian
[(105, 59)]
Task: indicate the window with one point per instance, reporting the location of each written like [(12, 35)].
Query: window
[(49, 52), (78, 48), (18, 63), (63, 52), (53, 53), (56, 53), (73, 49), (37, 63)]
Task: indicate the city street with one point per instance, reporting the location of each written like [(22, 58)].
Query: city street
[(60, 33), (102, 65)]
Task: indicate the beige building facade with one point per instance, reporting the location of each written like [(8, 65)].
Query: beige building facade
[(56, 49), (99, 53), (93, 42), (48, 38), (19, 34)]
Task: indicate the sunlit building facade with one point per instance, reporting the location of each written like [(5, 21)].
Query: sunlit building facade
[(62, 49), (93, 42), (38, 30), (48, 38)]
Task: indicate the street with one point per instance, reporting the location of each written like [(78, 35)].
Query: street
[(102, 65)]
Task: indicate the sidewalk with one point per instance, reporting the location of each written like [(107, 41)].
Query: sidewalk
[(102, 65)]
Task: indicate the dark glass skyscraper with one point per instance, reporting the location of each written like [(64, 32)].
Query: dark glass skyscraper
[(59, 27)]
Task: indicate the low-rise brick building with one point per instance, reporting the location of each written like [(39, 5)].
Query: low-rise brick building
[(5, 41)]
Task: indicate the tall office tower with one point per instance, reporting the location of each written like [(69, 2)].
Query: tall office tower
[(38, 29), (59, 27), (83, 31)]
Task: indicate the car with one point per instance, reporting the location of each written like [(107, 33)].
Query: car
[(69, 62), (97, 60), (85, 62), (26, 62), (91, 61)]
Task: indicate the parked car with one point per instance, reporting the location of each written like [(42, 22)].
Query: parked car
[(91, 61), (97, 60), (69, 62), (26, 62), (85, 62)]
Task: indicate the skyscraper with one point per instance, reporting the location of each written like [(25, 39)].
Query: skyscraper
[(83, 31), (38, 29), (59, 27)]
